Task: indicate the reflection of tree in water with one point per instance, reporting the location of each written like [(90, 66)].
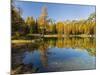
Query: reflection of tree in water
[(92, 51), (43, 52), (42, 46), (88, 44), (20, 67)]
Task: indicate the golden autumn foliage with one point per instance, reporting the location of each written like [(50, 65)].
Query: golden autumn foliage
[(45, 26)]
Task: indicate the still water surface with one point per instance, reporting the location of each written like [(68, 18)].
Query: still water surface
[(60, 54)]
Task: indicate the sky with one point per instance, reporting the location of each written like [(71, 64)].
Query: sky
[(57, 12)]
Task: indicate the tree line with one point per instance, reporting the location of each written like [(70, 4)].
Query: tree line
[(45, 25)]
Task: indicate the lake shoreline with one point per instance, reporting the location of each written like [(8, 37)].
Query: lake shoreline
[(49, 36), (69, 35), (62, 35)]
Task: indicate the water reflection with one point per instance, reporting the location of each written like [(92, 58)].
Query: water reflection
[(59, 54)]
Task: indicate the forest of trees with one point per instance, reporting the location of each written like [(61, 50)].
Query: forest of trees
[(45, 25)]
